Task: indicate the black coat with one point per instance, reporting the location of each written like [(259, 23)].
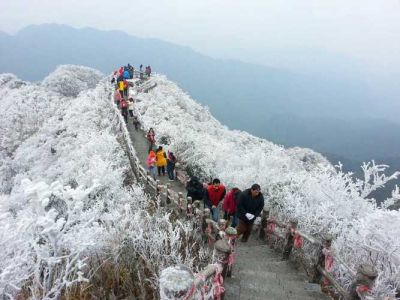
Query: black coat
[(195, 189), (248, 204)]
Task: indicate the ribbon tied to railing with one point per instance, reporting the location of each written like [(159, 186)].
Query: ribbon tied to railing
[(328, 259), (362, 289), (297, 239), (192, 290), (271, 227), (218, 284)]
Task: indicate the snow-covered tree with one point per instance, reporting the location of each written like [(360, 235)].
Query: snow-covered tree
[(69, 225), (70, 80)]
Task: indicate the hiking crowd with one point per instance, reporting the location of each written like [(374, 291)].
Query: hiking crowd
[(122, 97), (240, 208), (157, 158)]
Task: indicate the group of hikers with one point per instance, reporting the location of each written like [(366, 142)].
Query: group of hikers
[(122, 98), (128, 72), (157, 158), (240, 208), (162, 161)]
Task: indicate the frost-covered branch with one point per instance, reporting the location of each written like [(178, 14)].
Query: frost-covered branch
[(374, 178)]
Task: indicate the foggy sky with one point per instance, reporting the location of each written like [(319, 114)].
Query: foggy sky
[(367, 31)]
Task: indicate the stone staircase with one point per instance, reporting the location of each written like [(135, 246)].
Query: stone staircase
[(260, 273)]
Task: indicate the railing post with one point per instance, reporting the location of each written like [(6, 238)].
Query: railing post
[(209, 231), (231, 235), (159, 193), (221, 254), (222, 249), (176, 283), (270, 232), (180, 202), (362, 285), (196, 204), (189, 211), (264, 218), (221, 226), (289, 238), (158, 187), (189, 207), (167, 197), (206, 215), (147, 177), (326, 244)]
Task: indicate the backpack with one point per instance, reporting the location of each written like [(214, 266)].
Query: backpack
[(124, 104)]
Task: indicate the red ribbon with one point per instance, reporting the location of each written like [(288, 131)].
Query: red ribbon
[(328, 259), (271, 227), (362, 289), (298, 241), (218, 283)]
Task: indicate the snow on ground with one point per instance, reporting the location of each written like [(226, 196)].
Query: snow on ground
[(298, 182), (64, 208)]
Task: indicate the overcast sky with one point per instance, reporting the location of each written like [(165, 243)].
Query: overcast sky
[(367, 31)]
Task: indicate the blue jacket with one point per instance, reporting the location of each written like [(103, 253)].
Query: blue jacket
[(126, 74)]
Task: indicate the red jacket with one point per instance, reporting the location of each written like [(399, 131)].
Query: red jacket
[(213, 197), (230, 204)]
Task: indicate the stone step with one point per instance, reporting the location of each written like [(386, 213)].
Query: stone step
[(241, 260), (273, 276), (256, 247), (254, 292), (269, 290), (269, 286), (260, 266), (292, 288)]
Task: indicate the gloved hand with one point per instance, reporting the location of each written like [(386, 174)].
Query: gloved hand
[(249, 216)]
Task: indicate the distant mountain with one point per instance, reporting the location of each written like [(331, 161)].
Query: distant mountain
[(36, 50), (326, 113)]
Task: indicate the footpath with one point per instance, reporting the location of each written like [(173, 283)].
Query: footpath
[(141, 146), (259, 273)]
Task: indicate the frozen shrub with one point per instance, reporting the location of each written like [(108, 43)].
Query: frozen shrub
[(70, 80)]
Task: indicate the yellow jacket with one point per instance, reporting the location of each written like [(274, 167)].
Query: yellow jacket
[(121, 85), (161, 160)]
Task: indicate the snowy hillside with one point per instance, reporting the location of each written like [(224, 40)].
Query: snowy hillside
[(72, 219), (299, 182)]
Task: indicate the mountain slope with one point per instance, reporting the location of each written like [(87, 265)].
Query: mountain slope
[(69, 203)]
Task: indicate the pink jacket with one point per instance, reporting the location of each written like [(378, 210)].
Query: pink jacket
[(117, 96), (151, 160)]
